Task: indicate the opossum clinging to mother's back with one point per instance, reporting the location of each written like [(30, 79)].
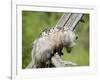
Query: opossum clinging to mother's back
[(49, 43)]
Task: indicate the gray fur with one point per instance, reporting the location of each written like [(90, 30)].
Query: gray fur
[(48, 44)]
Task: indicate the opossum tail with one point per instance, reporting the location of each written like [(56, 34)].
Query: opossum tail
[(33, 55), (32, 63), (29, 65)]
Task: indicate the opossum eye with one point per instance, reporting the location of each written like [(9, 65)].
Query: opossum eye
[(76, 37)]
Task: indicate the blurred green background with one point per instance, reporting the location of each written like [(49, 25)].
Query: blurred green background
[(34, 22)]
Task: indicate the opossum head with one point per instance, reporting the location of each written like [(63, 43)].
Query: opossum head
[(69, 40)]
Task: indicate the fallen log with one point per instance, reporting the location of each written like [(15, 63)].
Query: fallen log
[(73, 21), (69, 20), (63, 20)]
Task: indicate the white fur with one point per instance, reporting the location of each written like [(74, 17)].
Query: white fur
[(46, 44)]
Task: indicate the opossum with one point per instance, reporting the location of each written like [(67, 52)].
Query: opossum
[(47, 45)]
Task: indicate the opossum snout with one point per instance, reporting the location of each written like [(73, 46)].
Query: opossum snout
[(69, 50), (69, 47), (76, 37)]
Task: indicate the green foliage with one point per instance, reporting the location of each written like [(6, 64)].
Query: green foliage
[(34, 22)]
